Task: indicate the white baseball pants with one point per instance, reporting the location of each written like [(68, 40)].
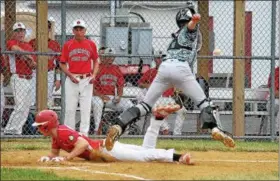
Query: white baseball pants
[(50, 88), (74, 93), (98, 104), (178, 125), (127, 152), (22, 93), (173, 73)]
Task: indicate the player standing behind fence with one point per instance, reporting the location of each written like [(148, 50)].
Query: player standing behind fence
[(21, 68), (79, 54), (108, 87), (53, 46), (175, 71)]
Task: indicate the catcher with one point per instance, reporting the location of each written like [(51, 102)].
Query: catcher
[(79, 145)]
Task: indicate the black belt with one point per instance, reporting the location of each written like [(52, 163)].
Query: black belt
[(83, 76)]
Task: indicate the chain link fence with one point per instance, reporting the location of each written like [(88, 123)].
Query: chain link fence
[(138, 32)]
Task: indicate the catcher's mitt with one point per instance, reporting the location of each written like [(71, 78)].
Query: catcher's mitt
[(183, 100)]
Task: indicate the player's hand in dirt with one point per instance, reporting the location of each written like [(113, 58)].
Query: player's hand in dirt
[(58, 159), (44, 159)]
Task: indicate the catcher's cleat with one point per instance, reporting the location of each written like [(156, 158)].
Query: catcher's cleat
[(163, 111), (186, 159), (112, 135), (223, 136)]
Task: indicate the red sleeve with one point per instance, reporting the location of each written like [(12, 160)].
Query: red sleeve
[(55, 144), (32, 43), (145, 77), (277, 78), (94, 53), (276, 83), (120, 77), (68, 137), (64, 54), (11, 43)]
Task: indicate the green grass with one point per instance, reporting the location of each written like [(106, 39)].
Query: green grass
[(178, 145), (207, 145), (29, 174)]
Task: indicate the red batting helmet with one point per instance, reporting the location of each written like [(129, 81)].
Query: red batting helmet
[(46, 120)]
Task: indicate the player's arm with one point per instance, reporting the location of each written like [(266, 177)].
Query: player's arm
[(80, 146), (143, 81), (95, 68), (120, 82), (17, 48), (54, 153), (195, 19)]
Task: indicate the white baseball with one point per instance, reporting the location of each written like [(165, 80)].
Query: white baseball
[(217, 51)]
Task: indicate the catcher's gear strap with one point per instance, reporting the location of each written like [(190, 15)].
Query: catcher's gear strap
[(128, 117), (210, 117), (144, 108), (206, 99)]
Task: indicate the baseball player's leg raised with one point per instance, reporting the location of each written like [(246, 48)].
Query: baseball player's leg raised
[(159, 85), (209, 117)]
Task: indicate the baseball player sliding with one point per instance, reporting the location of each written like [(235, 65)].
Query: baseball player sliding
[(79, 145), (108, 87), (175, 71), (76, 60)]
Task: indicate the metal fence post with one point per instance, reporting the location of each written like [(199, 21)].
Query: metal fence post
[(272, 89), (63, 77)]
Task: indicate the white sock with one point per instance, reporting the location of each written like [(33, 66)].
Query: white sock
[(150, 139)]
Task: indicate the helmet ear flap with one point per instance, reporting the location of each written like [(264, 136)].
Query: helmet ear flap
[(184, 16)]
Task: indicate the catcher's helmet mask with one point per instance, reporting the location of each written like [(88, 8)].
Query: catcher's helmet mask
[(184, 16)]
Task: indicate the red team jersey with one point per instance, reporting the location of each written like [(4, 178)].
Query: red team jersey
[(148, 78), (108, 77), (53, 46), (276, 83), (16, 64), (67, 137), (79, 55)]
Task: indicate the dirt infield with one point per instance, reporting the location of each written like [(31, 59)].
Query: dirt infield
[(208, 165)]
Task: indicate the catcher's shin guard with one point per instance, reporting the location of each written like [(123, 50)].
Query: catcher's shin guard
[(125, 119), (210, 119)]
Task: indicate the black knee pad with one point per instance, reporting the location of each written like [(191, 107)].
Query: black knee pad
[(207, 117), (128, 117)]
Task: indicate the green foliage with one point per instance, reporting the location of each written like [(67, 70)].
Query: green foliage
[(29, 174)]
